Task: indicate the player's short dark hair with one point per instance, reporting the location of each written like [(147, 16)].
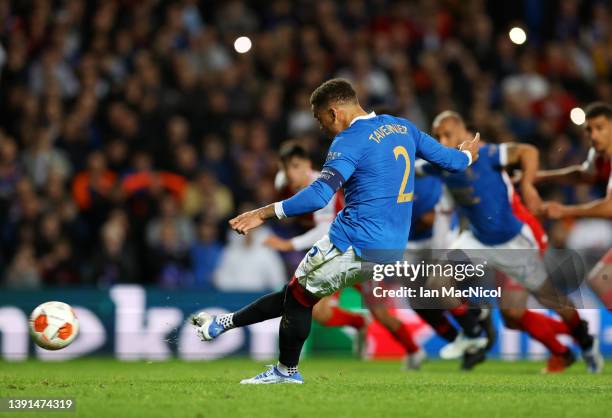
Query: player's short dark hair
[(598, 109), (291, 149), (336, 90)]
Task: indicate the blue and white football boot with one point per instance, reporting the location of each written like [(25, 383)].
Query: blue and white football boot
[(273, 376), (208, 327), (593, 357)]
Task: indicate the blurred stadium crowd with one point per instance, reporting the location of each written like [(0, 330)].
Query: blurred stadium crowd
[(130, 131)]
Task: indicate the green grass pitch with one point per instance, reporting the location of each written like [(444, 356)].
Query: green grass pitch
[(335, 387)]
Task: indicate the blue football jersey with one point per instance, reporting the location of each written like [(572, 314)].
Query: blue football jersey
[(427, 194), (373, 160), (482, 197)]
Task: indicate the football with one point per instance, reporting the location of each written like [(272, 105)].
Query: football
[(53, 325)]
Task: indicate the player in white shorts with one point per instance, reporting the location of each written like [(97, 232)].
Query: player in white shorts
[(370, 157), (498, 236), (295, 174)]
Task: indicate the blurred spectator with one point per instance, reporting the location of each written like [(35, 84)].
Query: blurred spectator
[(10, 172), (107, 105), (153, 183), (2, 58), (115, 262), (248, 266), (23, 271), (170, 257), (206, 194), (92, 188), (182, 230), (178, 136), (373, 83), (40, 158), (59, 267), (23, 216), (300, 117), (215, 159), (205, 254), (56, 259), (186, 161), (92, 191), (49, 234), (52, 70)]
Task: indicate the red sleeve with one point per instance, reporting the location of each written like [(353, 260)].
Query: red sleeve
[(339, 200)]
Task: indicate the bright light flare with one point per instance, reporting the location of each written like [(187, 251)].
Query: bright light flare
[(242, 44), (518, 35), (577, 116)]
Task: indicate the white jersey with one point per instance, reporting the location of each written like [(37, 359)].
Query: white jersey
[(444, 230), (599, 166), (322, 218)]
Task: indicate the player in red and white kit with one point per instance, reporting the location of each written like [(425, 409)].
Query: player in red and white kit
[(597, 168), (295, 174), (513, 306)]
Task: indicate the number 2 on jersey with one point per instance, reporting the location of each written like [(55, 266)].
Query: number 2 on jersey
[(402, 196)]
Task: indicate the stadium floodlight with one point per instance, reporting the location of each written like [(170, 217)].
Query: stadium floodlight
[(517, 35), (577, 116), (242, 44)]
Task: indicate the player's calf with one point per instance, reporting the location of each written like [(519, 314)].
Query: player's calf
[(578, 328), (600, 280), (266, 307)]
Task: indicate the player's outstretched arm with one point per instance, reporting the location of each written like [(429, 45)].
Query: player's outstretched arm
[(277, 243), (600, 208), (310, 199), (528, 157), (450, 159), (574, 174), (252, 219)]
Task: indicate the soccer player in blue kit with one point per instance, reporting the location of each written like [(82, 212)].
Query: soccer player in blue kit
[(372, 157), (498, 236), (435, 226)]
